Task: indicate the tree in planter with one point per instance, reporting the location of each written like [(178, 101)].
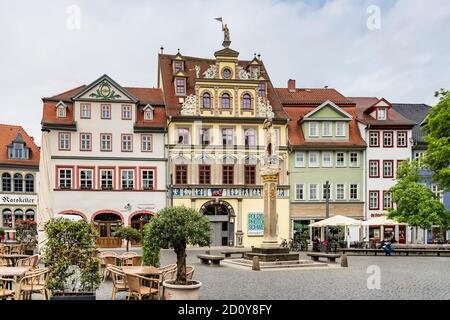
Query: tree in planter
[(26, 233), (178, 227), (415, 203), (129, 234), (70, 255)]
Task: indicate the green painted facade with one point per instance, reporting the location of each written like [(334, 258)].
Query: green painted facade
[(319, 175)]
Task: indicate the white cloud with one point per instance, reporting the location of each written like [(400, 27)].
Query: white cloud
[(326, 43)]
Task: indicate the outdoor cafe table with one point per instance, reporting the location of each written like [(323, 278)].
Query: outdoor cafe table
[(13, 272), (142, 270), (13, 258)]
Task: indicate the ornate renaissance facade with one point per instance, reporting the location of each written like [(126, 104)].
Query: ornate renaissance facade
[(104, 151), (216, 110), (19, 166)]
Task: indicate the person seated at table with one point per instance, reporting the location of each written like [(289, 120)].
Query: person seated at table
[(316, 244)]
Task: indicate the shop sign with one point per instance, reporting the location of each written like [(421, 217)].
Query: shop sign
[(11, 199), (255, 224)]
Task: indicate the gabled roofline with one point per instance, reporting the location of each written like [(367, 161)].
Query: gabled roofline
[(323, 105), (61, 103), (114, 83), (375, 104)]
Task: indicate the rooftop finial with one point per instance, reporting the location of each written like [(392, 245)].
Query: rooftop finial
[(162, 49), (178, 50), (259, 56)]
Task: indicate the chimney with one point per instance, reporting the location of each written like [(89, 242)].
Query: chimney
[(291, 85)]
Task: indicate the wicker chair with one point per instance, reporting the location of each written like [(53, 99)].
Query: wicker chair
[(136, 261), (126, 259), (118, 279), (189, 272), (6, 293), (107, 254), (33, 282), (138, 290), (16, 249), (29, 262), (106, 260), (167, 273)]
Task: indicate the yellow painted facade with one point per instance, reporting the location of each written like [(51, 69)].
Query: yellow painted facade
[(240, 200)]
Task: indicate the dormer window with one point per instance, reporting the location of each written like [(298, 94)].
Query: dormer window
[(61, 108), (17, 149), (180, 88), (148, 113), (178, 66), (381, 114)]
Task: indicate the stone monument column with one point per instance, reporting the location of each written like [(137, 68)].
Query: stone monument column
[(270, 181)]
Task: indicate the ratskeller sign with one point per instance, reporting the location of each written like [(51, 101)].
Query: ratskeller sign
[(20, 200)]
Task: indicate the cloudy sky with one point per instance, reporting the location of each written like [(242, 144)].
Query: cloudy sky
[(48, 46)]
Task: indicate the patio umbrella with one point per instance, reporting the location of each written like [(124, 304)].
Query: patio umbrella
[(336, 221), (45, 203), (381, 221)]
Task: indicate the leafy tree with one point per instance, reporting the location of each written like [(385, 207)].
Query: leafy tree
[(70, 254), (151, 251), (177, 227), (415, 203), (129, 234), (437, 126)]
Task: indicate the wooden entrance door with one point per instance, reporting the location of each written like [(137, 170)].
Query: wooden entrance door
[(106, 231)]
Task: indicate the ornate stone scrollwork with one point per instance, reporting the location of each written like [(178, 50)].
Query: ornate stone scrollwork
[(254, 74), (189, 107), (211, 73), (264, 108), (242, 74)]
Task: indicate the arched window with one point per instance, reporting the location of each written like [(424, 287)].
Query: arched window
[(29, 183), (29, 215), (18, 183), (206, 100), (247, 101), (18, 215), (6, 182), (226, 101), (7, 218)]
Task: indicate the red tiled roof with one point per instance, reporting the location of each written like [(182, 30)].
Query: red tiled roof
[(152, 96), (7, 134), (363, 106), (297, 137), (159, 118), (315, 96), (172, 101)]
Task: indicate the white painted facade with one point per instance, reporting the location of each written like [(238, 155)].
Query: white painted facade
[(381, 155), (95, 199)]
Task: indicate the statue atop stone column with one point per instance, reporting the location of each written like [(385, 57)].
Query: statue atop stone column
[(270, 165)]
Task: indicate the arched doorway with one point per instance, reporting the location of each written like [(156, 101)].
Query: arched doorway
[(221, 215), (138, 221), (107, 224)]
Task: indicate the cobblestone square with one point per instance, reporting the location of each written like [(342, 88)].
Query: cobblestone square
[(401, 278)]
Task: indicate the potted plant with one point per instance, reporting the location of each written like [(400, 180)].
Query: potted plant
[(129, 234), (71, 256), (178, 227), (26, 234)]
